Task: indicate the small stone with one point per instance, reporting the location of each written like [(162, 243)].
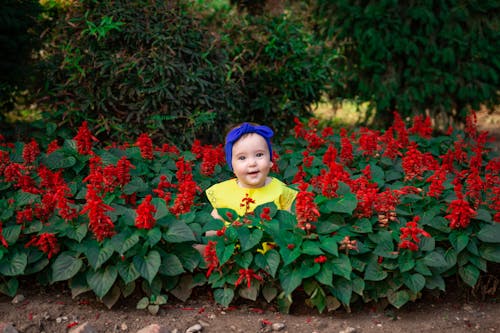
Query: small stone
[(18, 299), (154, 328), (195, 328), (7, 328), (277, 326), (123, 327), (83, 328), (348, 330)]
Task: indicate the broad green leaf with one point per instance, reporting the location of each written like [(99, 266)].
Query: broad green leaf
[(269, 293), (153, 236), (102, 280), (311, 248), (342, 290), (490, 233), (345, 204), (342, 266), (458, 240), (22, 198), (398, 298), (435, 281), (289, 256), (269, 261), (129, 242), (325, 275), (374, 271), (178, 231), (362, 226), (249, 238), (161, 208), (135, 185), (249, 293), (309, 268), (318, 299), (329, 244), (435, 259), (14, 264), (65, 267), (9, 287), (77, 233), (244, 260), (406, 261), (184, 288), (127, 271), (290, 279), (415, 282), (148, 265), (104, 254), (224, 253), (224, 296), (171, 265), (469, 274), (11, 233)]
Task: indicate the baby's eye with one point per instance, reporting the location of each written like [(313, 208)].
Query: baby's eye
[(241, 158), (259, 154)]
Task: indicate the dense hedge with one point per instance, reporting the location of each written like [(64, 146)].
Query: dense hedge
[(379, 215), (439, 56)]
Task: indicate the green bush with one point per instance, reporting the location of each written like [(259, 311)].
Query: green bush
[(128, 66), (378, 216), (415, 56)]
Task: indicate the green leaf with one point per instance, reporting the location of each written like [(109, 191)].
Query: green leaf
[(435, 259), (127, 271), (290, 279), (289, 256), (458, 240), (311, 248), (11, 233), (102, 280), (224, 253), (135, 185), (362, 226), (244, 259), (329, 244), (435, 281), (309, 268), (249, 238), (345, 204), (269, 261), (129, 242), (469, 274), (65, 267), (342, 266), (10, 287), (104, 254), (490, 252), (77, 232), (342, 290), (249, 293), (406, 261), (161, 208), (171, 265), (178, 232), (224, 296), (14, 264), (269, 293), (374, 271), (148, 265), (490, 233), (398, 298), (153, 236), (325, 275), (415, 282)]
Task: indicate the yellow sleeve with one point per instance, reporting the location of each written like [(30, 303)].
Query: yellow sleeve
[(287, 197)]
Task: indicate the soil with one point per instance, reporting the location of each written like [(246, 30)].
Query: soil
[(53, 310)]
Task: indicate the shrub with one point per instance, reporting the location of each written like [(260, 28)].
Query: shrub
[(415, 56), (378, 216), (128, 66)]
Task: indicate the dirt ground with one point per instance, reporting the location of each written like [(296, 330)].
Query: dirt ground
[(53, 310)]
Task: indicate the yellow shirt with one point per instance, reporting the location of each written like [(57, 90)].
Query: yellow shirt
[(229, 194)]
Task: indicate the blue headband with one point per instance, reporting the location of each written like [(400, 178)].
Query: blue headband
[(239, 131)]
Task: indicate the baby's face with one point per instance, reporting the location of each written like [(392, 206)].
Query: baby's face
[(251, 161)]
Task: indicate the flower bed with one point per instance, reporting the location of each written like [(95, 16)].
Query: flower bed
[(378, 215)]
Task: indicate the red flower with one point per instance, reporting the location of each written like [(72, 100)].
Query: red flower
[(368, 141), (145, 214), (145, 144), (415, 163), (210, 256), (307, 159), (460, 211), (99, 223), (265, 214), (306, 209), (84, 140), (400, 128), (46, 243), (123, 171), (299, 176), (320, 259), (2, 239), (246, 202), (346, 155), (247, 274), (410, 235), (437, 179), (187, 188), (421, 126), (31, 151), (392, 146), (211, 157), (53, 146)]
